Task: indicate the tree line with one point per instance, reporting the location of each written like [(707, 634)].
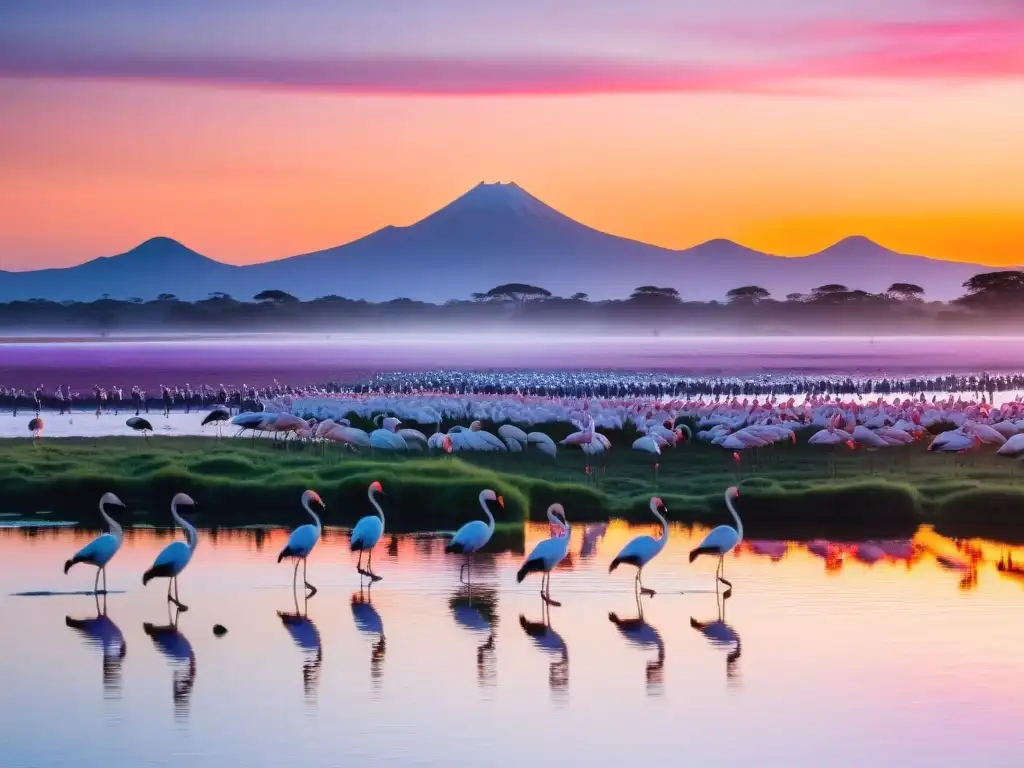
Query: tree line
[(988, 299)]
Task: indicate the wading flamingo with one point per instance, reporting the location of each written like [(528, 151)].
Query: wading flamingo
[(722, 539), (303, 539), (367, 533), (547, 554), (474, 535), (102, 549), (175, 556), (641, 550)]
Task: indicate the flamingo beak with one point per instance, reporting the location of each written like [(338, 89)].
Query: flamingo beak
[(736, 455), (501, 502)]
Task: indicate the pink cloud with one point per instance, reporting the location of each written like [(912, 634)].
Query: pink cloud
[(968, 50)]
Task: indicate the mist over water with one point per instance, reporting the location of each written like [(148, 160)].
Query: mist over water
[(319, 358)]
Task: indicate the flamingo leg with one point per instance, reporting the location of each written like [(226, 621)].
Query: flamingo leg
[(177, 599), (547, 593), (295, 577), (104, 569), (96, 585), (310, 587), (369, 568), (359, 562), (639, 580)]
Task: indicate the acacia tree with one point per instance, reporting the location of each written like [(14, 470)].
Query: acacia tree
[(654, 294), (996, 288), (274, 296), (517, 292), (747, 294), (905, 291), (794, 297)]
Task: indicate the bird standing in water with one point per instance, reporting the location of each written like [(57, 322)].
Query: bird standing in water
[(102, 549), (175, 556)]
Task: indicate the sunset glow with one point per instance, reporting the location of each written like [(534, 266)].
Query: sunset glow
[(264, 129)]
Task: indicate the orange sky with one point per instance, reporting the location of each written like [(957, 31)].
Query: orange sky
[(923, 155)]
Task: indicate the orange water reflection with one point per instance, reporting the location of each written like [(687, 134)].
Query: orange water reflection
[(913, 645)]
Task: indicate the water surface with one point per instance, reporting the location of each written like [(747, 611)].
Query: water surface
[(815, 659)]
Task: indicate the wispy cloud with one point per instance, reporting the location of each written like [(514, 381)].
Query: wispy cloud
[(798, 56)]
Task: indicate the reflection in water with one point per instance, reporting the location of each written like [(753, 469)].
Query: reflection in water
[(639, 633), (477, 611), (176, 647), (545, 638), (307, 637), (722, 635), (368, 622), (592, 535), (101, 632)]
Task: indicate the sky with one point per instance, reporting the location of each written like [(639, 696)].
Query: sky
[(257, 129)]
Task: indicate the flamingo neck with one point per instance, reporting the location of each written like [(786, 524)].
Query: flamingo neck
[(316, 518), (664, 527), (190, 531), (735, 514), (487, 511), (376, 506), (115, 529)]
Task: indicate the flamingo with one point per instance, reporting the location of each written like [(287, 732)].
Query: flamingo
[(303, 539), (642, 549), (478, 614), (722, 539), (102, 549), (35, 426), (474, 535), (367, 533), (547, 554), (140, 424), (217, 416), (175, 556)]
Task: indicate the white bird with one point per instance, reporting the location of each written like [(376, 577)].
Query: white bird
[(647, 444), (1012, 447), (474, 535), (547, 554), (175, 556), (722, 539), (102, 549), (367, 533), (642, 549), (303, 539)]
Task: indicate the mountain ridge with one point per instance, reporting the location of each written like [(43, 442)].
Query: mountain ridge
[(491, 234)]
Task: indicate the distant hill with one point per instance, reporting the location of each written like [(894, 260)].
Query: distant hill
[(495, 233)]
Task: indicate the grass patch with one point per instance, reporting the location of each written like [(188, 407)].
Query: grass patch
[(784, 487)]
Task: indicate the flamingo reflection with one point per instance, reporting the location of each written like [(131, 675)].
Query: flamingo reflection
[(307, 637), (169, 640), (477, 611), (592, 536), (101, 632), (721, 635), (368, 622), (642, 635), (546, 639)]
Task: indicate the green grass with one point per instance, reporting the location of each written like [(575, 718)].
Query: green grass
[(785, 489)]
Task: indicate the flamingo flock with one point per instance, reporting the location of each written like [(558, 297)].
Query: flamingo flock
[(368, 531)]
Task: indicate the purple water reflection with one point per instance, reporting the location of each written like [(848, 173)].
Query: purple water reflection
[(321, 358)]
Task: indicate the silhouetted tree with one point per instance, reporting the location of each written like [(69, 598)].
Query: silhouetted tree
[(994, 288), (579, 297), (220, 295), (747, 294), (905, 291), (517, 292), (654, 294), (824, 290), (274, 296), (794, 297)]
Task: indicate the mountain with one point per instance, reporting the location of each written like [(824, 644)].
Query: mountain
[(493, 234)]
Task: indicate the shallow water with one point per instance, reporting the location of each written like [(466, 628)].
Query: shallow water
[(817, 660), (312, 358)]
